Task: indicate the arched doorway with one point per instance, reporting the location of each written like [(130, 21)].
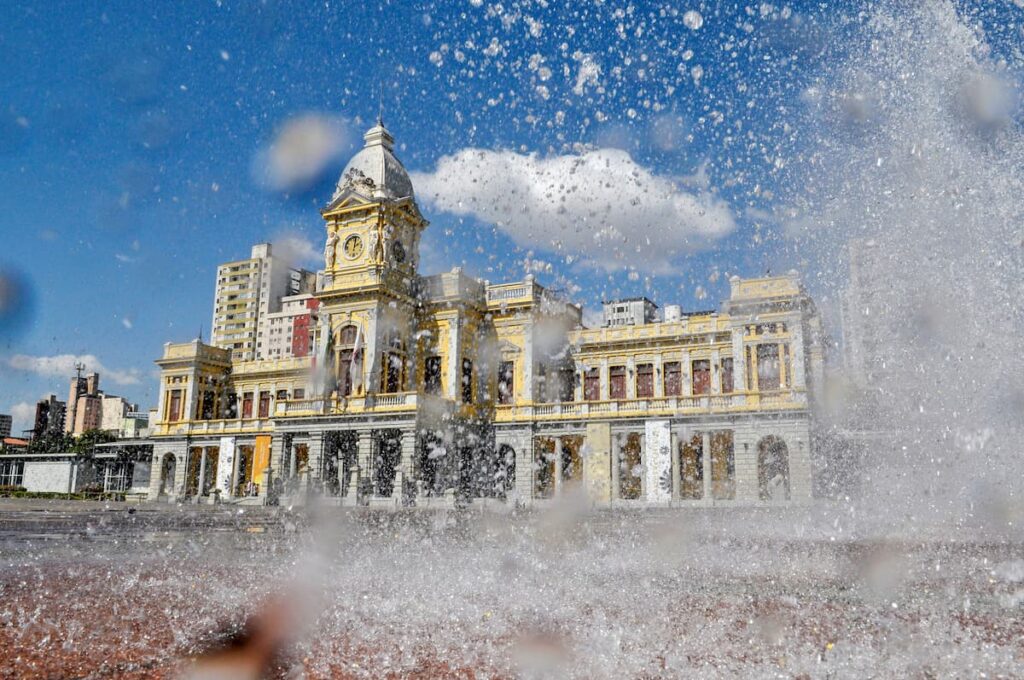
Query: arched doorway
[(386, 461), (505, 475), (773, 469), (167, 470), (631, 466)]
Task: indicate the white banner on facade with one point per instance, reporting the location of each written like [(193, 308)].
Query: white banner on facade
[(225, 464), (658, 444)]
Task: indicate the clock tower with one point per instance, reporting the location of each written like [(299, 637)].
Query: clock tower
[(369, 280)]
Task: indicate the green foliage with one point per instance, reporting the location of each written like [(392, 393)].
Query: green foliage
[(88, 440), (51, 442)]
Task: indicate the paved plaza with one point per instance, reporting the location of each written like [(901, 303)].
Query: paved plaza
[(113, 590)]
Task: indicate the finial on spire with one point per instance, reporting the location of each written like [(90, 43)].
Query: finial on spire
[(380, 104)]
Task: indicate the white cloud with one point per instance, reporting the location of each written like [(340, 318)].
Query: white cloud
[(303, 149), (297, 250), (63, 365), (24, 415), (600, 204)]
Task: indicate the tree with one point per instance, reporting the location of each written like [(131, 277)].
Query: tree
[(88, 440), (51, 442)]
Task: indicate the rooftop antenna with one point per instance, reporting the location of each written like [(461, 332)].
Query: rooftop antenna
[(200, 333), (79, 367)]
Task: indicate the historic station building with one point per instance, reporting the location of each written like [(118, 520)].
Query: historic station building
[(423, 390)]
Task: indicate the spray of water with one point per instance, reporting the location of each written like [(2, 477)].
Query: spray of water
[(916, 176)]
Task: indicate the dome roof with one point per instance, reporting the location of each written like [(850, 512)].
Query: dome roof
[(375, 171)]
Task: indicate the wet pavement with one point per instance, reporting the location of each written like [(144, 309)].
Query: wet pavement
[(109, 590)]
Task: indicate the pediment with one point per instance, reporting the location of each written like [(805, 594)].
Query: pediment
[(348, 198), (506, 347)]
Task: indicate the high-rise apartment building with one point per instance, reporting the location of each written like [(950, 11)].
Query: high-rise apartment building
[(88, 408), (114, 410), (289, 331), (79, 387), (6, 422), (247, 292), (49, 416)]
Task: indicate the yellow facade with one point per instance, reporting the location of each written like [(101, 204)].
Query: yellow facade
[(395, 349)]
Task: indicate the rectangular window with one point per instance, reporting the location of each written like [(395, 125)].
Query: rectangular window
[(432, 375), (644, 381), (207, 407), (592, 384), (723, 466), (727, 379), (673, 379), (299, 393), (768, 367), (345, 372), (544, 466), (282, 395), (392, 378), (264, 404), (541, 394), (467, 381), (701, 376), (174, 410), (566, 385), (617, 382), (506, 382), (247, 405)]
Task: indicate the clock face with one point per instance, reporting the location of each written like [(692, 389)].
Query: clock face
[(398, 251), (353, 246)]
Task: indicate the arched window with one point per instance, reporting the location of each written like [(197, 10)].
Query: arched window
[(505, 475), (345, 349), (394, 358), (167, 470)]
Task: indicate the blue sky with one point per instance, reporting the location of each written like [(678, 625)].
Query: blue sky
[(133, 138)]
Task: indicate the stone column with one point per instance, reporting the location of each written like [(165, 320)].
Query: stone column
[(605, 386), (407, 464), (798, 378), (617, 442), (685, 374), (527, 359), (577, 389), (716, 372), (630, 378), (316, 455), (659, 377), (236, 464), (364, 457), (181, 472), (674, 453), (706, 463), (453, 382), (156, 470), (739, 361), (202, 474), (558, 466), (745, 456), (280, 449), (525, 472)]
